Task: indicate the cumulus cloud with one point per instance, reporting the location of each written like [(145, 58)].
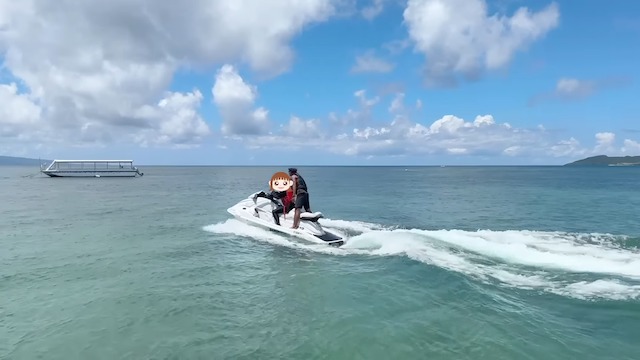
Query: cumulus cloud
[(360, 116), (449, 135), (179, 121), (460, 37), (402, 136), (18, 113), (357, 133), (370, 63), (202, 33), (567, 148), (90, 73), (235, 100), (605, 142), (397, 104), (569, 89), (574, 88), (631, 147), (397, 46), (372, 10), (304, 129), (97, 71)]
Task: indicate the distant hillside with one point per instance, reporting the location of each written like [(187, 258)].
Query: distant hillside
[(604, 160), (13, 161)]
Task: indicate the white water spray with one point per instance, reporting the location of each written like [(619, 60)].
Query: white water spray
[(560, 263)]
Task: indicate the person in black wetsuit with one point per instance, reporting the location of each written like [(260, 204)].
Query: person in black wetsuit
[(278, 198), (301, 194)]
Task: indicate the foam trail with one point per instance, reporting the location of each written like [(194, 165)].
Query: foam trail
[(576, 265), (238, 228), (356, 226), (531, 250)]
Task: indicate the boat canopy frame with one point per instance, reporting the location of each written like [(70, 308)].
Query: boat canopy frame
[(118, 164)]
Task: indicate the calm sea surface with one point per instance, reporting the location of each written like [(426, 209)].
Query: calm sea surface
[(441, 263)]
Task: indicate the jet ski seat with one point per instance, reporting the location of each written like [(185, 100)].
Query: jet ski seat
[(313, 217)]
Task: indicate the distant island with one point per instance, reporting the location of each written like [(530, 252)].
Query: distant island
[(604, 160), (21, 161)]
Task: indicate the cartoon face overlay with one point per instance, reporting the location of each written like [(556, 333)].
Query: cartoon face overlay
[(280, 181)]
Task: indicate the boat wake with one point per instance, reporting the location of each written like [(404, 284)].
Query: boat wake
[(584, 266)]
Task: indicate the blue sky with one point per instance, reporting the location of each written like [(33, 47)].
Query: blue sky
[(564, 79)]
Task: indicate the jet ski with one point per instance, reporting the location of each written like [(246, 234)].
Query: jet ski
[(258, 211)]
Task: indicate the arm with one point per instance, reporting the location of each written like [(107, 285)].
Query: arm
[(295, 184), (264, 195)]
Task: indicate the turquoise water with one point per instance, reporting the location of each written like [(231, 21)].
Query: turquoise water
[(442, 263)]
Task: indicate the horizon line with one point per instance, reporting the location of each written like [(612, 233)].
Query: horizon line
[(337, 165)]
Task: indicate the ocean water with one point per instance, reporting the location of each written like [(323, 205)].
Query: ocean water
[(441, 263)]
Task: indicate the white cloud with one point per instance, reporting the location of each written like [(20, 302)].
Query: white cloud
[(458, 36), (18, 113), (605, 142), (205, 32), (98, 71), (358, 117), (567, 148), (371, 11), (395, 47), (178, 119), (92, 73), (576, 89), (397, 104), (631, 147), (305, 129), (357, 134), (370, 63), (235, 100), (401, 136)]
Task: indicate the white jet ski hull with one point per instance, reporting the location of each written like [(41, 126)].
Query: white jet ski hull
[(309, 228)]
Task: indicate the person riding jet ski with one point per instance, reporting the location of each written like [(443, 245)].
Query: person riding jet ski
[(282, 199)]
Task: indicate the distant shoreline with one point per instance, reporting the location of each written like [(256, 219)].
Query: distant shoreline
[(604, 160), (21, 161)]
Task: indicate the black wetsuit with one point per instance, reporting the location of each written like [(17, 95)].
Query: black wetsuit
[(277, 197)]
